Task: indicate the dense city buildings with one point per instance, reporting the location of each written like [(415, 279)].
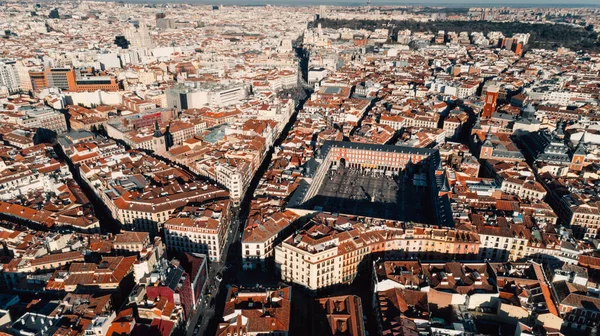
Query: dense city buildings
[(256, 312), (232, 170), (199, 228)]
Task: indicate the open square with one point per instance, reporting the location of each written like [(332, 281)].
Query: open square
[(374, 194)]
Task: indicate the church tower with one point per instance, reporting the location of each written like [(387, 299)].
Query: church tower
[(487, 148), (578, 157), (159, 143), (489, 107)]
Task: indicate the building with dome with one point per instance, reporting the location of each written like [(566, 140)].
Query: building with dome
[(549, 152)]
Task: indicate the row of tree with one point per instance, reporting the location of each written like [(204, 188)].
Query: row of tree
[(542, 35)]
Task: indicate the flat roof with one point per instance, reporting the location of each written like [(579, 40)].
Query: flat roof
[(333, 90)]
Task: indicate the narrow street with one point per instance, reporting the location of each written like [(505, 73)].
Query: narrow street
[(108, 224), (208, 313), (208, 316)]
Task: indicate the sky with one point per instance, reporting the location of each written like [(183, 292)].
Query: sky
[(453, 3)]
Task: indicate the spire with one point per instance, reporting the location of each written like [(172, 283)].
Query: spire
[(580, 150), (477, 123), (157, 132), (488, 138), (559, 132), (530, 110)]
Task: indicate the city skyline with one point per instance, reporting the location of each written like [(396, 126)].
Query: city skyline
[(354, 3), (298, 170)]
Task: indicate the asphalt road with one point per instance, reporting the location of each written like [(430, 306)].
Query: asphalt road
[(208, 316), (230, 262)]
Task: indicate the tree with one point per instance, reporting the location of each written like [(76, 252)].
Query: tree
[(54, 14), (541, 34), (122, 42)]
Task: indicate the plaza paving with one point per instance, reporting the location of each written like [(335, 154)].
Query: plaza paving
[(352, 191)]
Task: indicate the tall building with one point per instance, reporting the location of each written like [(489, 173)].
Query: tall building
[(256, 311), (139, 37), (9, 75), (578, 159), (180, 97), (491, 96), (487, 148), (322, 12), (62, 78), (24, 78), (189, 95), (69, 79), (38, 80)]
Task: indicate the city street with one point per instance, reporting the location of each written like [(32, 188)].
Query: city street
[(217, 290), (330, 168), (208, 315)]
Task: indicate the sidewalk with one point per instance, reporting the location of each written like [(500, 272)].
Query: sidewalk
[(205, 312)]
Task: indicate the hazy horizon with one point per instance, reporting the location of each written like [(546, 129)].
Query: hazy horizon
[(447, 3)]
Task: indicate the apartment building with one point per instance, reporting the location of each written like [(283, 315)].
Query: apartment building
[(394, 121), (516, 179), (525, 189), (253, 312), (137, 104), (586, 219), (148, 211), (500, 241), (45, 118), (199, 228), (106, 275), (343, 314), (69, 79), (429, 120), (473, 284), (191, 94), (9, 75), (329, 252), (263, 231), (131, 242), (235, 175), (578, 306)]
